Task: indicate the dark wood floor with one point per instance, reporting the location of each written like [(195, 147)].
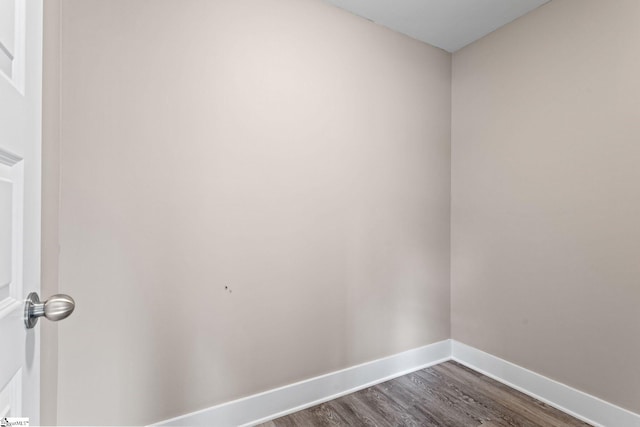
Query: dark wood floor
[(448, 394)]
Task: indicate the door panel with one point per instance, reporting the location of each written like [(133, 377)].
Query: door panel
[(11, 396), (20, 135), (11, 231), (12, 40)]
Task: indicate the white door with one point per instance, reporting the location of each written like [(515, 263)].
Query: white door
[(20, 130)]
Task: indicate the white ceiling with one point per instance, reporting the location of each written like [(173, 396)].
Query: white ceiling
[(447, 24)]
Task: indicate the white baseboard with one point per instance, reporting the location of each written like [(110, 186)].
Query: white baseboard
[(281, 401), (581, 405)]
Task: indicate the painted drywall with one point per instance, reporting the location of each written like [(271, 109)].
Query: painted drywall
[(252, 193), (545, 195), (50, 205), (449, 25)]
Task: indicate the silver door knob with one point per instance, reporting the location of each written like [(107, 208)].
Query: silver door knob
[(56, 308)]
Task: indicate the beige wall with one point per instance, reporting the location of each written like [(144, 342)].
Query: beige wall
[(283, 148), (546, 195), (50, 205)]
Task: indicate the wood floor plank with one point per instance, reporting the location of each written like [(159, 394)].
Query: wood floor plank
[(327, 414), (473, 402), (534, 410), (420, 404), (358, 414), (445, 395), (436, 400), (385, 408)]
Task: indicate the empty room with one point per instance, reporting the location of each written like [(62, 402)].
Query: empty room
[(286, 213)]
